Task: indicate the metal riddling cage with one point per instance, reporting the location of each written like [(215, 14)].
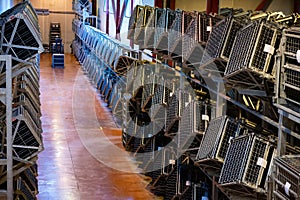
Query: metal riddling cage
[(27, 140), (286, 177), (190, 30), (176, 104), (246, 165), (123, 64), (150, 30), (29, 176), (253, 51), (25, 102), (142, 21), (216, 139), (164, 24), (204, 27), (221, 39), (23, 190), (288, 73), (133, 20), (190, 124), (20, 33), (175, 34)]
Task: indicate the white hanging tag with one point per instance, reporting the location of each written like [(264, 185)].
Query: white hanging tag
[(261, 162), (298, 56), (269, 49), (172, 162), (188, 183), (208, 28), (230, 138), (205, 117), (287, 187)]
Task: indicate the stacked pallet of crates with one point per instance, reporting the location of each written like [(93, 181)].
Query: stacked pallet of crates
[(19, 25), (285, 179), (288, 75)]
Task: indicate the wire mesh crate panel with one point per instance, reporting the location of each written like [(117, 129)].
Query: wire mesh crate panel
[(215, 42), (210, 138), (251, 156), (292, 95), (133, 21), (190, 39), (148, 91), (172, 111), (231, 130), (117, 92), (34, 82), (22, 100), (261, 59), (235, 160), (23, 190), (292, 76), (161, 95), (123, 64), (23, 44), (171, 16), (242, 48), (253, 173), (22, 10), (292, 40), (175, 32), (24, 141), (235, 27), (187, 17), (286, 177), (171, 184), (160, 26), (26, 87), (190, 124), (22, 114), (150, 30), (30, 178), (140, 25), (204, 23)]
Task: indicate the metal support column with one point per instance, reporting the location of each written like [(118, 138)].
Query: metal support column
[(281, 146), (8, 103)]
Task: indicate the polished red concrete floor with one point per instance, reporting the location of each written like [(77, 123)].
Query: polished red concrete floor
[(76, 162)]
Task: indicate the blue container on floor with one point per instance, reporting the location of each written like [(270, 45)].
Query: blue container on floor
[(58, 60)]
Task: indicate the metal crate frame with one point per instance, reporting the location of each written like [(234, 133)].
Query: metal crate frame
[(243, 170), (20, 33), (245, 73), (215, 143), (286, 177), (288, 73)]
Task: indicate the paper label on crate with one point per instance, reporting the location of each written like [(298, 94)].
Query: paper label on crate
[(205, 117), (287, 187), (261, 162), (208, 28), (188, 183), (172, 162), (269, 49), (298, 56)]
